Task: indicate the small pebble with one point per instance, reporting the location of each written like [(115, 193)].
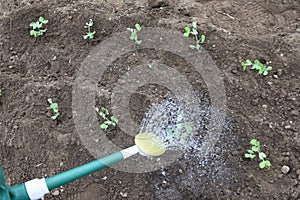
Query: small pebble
[(54, 58), (55, 193), (298, 172), (254, 102), (279, 72), (287, 127), (295, 112), (27, 99), (264, 106), (234, 71), (285, 169), (123, 194)]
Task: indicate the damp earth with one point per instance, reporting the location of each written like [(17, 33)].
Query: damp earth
[(262, 107)]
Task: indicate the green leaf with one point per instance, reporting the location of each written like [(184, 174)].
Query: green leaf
[(138, 41), (105, 110), (91, 23), (194, 32), (261, 70), (255, 142), (244, 66), (179, 126), (179, 117), (248, 62), (267, 163), (261, 155), (256, 61), (262, 165), (269, 68), (192, 47), (188, 128), (255, 66), (265, 73), (184, 136), (85, 37), (186, 34), (114, 124), (54, 117), (41, 19), (103, 126), (43, 30), (138, 27), (114, 119), (108, 122), (32, 24), (133, 36), (250, 151), (169, 134), (187, 29), (194, 24), (248, 155), (54, 105), (102, 115), (33, 33), (255, 148), (203, 37), (38, 25)]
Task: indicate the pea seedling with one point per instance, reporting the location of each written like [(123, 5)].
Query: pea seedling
[(37, 27), (107, 122), (181, 131), (134, 32), (54, 107), (261, 155), (88, 26), (194, 32), (257, 65)]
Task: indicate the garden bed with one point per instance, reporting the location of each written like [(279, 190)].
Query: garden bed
[(262, 107)]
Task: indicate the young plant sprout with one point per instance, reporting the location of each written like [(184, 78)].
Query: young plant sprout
[(134, 32), (88, 26), (257, 65), (194, 32), (261, 155), (54, 107), (107, 122), (181, 131), (37, 27)]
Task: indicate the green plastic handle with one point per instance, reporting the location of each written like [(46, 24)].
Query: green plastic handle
[(18, 192), (81, 171)]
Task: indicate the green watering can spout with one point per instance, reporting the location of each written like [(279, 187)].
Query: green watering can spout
[(146, 144)]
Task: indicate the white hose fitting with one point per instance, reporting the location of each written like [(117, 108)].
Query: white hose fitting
[(130, 151), (36, 188)]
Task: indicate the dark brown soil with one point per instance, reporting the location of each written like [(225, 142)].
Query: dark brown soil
[(265, 108)]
